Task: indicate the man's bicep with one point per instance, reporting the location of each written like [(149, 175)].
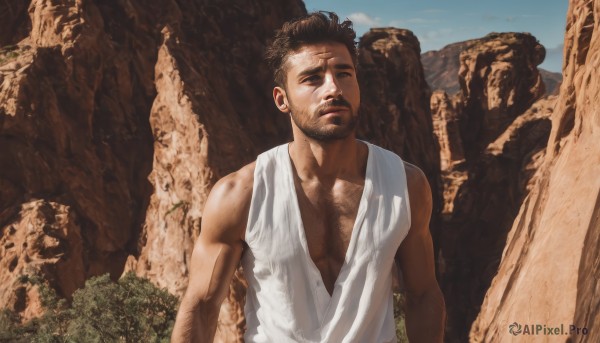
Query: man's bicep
[(415, 254), (415, 258), (212, 266), (219, 247)]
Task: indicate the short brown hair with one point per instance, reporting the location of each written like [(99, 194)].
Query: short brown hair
[(313, 28)]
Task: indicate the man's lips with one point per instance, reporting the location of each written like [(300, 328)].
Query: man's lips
[(333, 110)]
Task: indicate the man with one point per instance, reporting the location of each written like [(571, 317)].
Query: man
[(317, 223)]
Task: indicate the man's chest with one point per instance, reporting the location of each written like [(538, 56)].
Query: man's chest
[(328, 218)]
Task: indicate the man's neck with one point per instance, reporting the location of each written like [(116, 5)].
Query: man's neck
[(328, 161)]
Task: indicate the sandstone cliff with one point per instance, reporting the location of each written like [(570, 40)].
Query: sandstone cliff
[(77, 145), (549, 268), (97, 98), (491, 141)]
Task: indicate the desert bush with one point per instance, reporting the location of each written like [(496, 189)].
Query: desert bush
[(130, 310)]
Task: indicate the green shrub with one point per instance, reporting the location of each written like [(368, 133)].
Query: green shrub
[(130, 310)]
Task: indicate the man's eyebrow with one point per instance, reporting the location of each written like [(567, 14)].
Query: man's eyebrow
[(311, 71)]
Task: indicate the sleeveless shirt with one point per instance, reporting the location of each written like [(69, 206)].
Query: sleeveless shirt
[(286, 300)]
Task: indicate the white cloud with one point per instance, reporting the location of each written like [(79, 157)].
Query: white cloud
[(412, 21), (361, 18)]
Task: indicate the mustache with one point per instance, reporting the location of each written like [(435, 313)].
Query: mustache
[(337, 102)]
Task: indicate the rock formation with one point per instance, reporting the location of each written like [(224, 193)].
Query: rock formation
[(499, 80), (97, 98), (549, 269), (441, 67), (491, 141), (445, 115), (76, 141), (43, 237)]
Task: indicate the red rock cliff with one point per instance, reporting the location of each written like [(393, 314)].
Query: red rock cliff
[(549, 269), (491, 140), (99, 97)]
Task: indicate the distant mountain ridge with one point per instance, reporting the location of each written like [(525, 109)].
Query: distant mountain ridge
[(441, 68)]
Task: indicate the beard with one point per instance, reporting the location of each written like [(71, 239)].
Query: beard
[(311, 128)]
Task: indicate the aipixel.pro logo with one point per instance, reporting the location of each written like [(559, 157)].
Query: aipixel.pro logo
[(516, 329)]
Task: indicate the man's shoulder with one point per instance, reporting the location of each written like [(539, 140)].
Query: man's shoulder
[(414, 175), (228, 204), (236, 186), (419, 191)]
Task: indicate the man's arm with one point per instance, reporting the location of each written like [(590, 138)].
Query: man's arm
[(216, 255), (425, 309)]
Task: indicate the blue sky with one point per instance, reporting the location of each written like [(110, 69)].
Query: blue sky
[(440, 22)]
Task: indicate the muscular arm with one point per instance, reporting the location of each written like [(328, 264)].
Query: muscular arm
[(216, 255), (425, 309)]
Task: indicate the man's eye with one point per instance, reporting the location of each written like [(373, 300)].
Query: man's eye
[(344, 74), (312, 78)]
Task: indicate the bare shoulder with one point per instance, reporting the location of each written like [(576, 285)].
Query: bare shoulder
[(226, 209), (419, 193)]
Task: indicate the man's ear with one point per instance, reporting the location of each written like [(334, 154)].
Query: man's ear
[(280, 98)]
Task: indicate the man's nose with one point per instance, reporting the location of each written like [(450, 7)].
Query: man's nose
[(332, 87)]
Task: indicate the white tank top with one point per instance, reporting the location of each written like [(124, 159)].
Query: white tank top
[(286, 300)]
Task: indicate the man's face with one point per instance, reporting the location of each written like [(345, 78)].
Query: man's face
[(321, 92)]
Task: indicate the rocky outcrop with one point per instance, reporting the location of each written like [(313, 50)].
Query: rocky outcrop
[(442, 66), (499, 81), (74, 99), (97, 98), (489, 194), (43, 237), (549, 269), (491, 139), (445, 113)]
